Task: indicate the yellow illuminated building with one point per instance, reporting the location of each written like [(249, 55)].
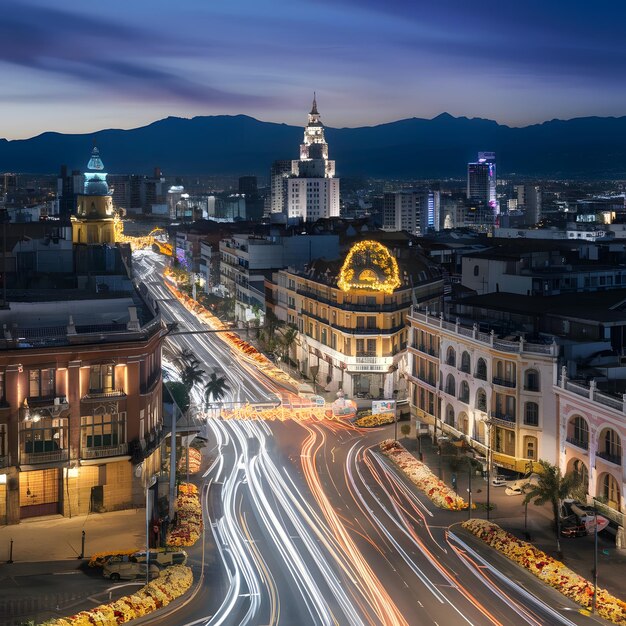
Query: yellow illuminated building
[(351, 316)]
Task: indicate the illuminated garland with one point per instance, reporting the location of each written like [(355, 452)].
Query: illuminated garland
[(371, 259)]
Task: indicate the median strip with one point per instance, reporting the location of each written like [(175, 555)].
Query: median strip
[(548, 569)]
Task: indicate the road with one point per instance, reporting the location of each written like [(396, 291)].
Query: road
[(312, 526)]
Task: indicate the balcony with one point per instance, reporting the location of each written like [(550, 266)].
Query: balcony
[(100, 394), (52, 456), (425, 350), (579, 443), (611, 458), (100, 452), (504, 382), (502, 419)]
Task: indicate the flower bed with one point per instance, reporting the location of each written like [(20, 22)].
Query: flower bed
[(548, 570), (370, 421), (188, 517), (421, 476), (195, 460), (98, 558), (173, 582)]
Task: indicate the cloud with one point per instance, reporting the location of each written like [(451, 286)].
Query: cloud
[(107, 55)]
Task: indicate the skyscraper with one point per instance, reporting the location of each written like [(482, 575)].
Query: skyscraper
[(481, 180), (312, 189), (280, 172), (412, 210)]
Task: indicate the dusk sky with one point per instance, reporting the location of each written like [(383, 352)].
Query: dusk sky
[(81, 66)]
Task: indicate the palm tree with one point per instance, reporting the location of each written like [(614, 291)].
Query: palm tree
[(290, 336), (190, 371), (552, 487), (215, 388)]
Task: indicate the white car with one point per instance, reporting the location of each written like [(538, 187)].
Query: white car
[(498, 481), (514, 490)]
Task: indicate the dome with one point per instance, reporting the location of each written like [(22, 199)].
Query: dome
[(96, 178)]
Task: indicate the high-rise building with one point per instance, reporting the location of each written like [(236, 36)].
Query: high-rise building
[(248, 185), (481, 180), (414, 211), (69, 185), (529, 199), (280, 172), (313, 190)]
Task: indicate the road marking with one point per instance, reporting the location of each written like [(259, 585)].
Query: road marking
[(65, 573)]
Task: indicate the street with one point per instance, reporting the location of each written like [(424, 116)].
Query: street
[(313, 526)]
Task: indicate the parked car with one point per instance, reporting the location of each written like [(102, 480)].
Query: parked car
[(162, 558), (514, 490), (498, 481), (128, 570)]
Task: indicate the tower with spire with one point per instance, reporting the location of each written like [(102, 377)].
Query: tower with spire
[(313, 190), (94, 221)]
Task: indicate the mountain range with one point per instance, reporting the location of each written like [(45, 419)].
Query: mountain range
[(587, 147)]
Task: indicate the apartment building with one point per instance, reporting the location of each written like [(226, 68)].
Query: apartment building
[(351, 316), (489, 391), (592, 431)]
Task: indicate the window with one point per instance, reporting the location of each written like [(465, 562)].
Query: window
[(451, 356), (41, 383), (371, 322), (611, 491), (481, 400), (465, 362), (531, 414), (464, 391), (530, 447), (579, 432), (324, 339), (46, 435), (610, 446), (531, 380), (481, 369), (101, 378), (450, 385), (102, 429), (476, 270)]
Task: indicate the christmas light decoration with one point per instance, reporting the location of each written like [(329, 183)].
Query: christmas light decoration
[(371, 266)]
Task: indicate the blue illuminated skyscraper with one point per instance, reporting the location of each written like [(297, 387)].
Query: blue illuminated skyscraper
[(481, 180)]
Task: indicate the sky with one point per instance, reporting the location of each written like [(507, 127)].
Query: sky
[(78, 67)]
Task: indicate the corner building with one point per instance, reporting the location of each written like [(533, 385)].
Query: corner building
[(493, 393), (80, 381), (351, 316)]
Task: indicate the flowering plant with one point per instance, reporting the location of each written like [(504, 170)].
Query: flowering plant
[(421, 476), (189, 517), (548, 570), (369, 421), (195, 460), (173, 582)]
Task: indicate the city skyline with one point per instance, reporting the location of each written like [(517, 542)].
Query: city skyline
[(122, 66)]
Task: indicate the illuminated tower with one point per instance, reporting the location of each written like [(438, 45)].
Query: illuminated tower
[(313, 190), (481, 180), (94, 219)]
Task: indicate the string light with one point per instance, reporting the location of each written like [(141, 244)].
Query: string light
[(369, 265)]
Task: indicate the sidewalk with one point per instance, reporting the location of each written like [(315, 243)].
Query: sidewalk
[(57, 538), (508, 512)]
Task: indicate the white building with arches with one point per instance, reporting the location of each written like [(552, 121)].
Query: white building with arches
[(495, 394), (592, 432)]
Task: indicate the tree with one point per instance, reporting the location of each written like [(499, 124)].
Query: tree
[(405, 429), (289, 338), (215, 388), (552, 487), (179, 394), (191, 373)]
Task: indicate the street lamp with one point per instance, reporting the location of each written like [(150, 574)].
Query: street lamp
[(595, 560), (488, 424), (149, 484)]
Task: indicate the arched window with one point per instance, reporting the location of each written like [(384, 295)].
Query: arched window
[(449, 415), (464, 391), (481, 400), (611, 491), (578, 432), (450, 385), (531, 414), (530, 447), (531, 380), (451, 356), (465, 362), (464, 423), (578, 467), (610, 446), (481, 369)]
